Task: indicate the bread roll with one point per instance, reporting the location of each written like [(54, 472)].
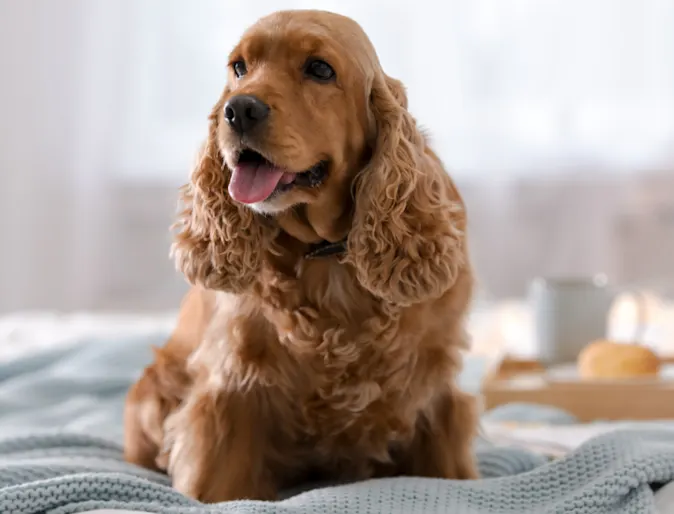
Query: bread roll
[(608, 359)]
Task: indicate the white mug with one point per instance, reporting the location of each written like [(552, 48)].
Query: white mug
[(568, 314)]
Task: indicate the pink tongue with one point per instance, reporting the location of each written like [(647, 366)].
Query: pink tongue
[(252, 183)]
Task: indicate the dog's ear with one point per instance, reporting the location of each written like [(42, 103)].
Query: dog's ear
[(219, 244), (407, 241)]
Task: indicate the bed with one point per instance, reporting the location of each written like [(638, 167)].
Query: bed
[(62, 384)]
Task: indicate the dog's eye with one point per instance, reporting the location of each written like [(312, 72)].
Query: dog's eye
[(239, 68), (319, 70)]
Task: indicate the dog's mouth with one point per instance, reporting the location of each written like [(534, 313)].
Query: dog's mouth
[(256, 179)]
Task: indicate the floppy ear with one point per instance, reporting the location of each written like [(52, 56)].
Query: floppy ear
[(219, 244), (407, 241)]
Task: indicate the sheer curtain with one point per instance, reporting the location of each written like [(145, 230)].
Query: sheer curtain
[(63, 95), (99, 95)]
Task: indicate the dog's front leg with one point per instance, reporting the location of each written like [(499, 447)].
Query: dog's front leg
[(443, 443), (217, 447)]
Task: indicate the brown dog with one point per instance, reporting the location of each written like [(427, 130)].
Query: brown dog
[(327, 247)]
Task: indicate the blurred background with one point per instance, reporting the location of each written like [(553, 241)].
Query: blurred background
[(556, 117)]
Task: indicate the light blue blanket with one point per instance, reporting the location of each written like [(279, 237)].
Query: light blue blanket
[(78, 391)]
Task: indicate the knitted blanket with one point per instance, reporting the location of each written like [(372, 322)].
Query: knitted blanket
[(77, 387), (610, 474)]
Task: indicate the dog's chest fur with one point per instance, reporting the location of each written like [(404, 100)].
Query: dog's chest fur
[(358, 384)]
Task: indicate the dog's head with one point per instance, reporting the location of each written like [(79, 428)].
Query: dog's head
[(294, 123), (311, 134)]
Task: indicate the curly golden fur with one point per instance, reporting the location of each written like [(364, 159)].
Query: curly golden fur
[(283, 368)]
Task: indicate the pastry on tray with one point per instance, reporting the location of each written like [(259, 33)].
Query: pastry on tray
[(608, 359)]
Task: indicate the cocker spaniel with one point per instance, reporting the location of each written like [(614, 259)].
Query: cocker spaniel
[(327, 251)]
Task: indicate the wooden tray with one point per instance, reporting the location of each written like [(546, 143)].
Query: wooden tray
[(517, 380)]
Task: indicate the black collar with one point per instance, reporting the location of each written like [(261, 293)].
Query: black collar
[(326, 249)]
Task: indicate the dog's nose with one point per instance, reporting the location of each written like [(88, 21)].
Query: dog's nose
[(245, 112)]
